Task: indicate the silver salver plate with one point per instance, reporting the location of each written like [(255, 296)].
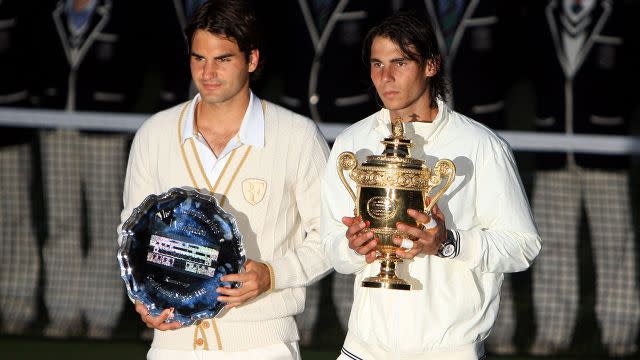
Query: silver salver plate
[(175, 247)]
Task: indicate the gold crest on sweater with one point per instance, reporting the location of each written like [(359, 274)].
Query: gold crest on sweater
[(254, 190)]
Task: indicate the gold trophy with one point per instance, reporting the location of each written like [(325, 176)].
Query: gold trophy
[(388, 185)]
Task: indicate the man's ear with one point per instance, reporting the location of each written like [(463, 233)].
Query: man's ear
[(432, 67), (254, 57)]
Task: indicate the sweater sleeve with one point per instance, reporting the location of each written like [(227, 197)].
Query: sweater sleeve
[(138, 181), (306, 262), (335, 204), (506, 239)]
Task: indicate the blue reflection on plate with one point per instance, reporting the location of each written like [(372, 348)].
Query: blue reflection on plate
[(175, 248)]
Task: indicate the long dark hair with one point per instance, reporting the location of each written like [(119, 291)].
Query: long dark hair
[(417, 41), (232, 19)]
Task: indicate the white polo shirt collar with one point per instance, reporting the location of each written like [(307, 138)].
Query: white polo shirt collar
[(251, 130)]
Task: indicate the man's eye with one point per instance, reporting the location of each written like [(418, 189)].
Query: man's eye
[(224, 59), (376, 65), (400, 63)]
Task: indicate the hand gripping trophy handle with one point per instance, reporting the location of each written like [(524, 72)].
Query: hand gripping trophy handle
[(443, 167)]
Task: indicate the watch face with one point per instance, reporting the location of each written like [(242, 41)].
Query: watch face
[(448, 250)]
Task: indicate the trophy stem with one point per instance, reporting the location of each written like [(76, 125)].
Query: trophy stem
[(387, 278)]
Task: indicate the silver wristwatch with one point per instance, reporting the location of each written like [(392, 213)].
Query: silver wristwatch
[(449, 248)]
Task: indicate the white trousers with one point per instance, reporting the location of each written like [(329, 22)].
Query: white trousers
[(280, 351), (354, 349)]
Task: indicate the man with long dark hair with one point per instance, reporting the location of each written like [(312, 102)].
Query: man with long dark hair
[(481, 228), (271, 187)]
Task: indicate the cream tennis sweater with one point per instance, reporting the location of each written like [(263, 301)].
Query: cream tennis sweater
[(280, 227)]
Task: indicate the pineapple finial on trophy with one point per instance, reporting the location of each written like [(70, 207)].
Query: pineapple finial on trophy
[(397, 128), (397, 146)]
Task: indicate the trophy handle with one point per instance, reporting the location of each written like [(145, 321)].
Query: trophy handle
[(347, 161), (444, 167)]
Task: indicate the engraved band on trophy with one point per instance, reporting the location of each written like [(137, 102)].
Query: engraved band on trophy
[(175, 248), (388, 185)]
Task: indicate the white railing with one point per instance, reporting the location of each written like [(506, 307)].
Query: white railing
[(519, 140)]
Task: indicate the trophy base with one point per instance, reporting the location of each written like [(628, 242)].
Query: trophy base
[(387, 278), (384, 283)]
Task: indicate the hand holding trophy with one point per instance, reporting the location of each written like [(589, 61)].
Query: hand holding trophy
[(387, 186)]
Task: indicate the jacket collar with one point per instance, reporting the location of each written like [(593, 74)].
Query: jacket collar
[(319, 37), (382, 122), (99, 20), (180, 13), (599, 17), (450, 54)]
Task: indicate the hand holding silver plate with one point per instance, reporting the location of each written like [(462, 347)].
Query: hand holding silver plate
[(176, 248)]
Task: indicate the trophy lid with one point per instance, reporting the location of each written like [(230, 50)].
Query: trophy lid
[(397, 150)]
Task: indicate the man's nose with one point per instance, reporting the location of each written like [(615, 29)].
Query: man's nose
[(386, 74), (209, 70)]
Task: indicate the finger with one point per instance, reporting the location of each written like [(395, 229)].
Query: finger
[(141, 308), (232, 300), (403, 242), (427, 246), (370, 257), (144, 313), (435, 209), (163, 324), (169, 326), (351, 221), (160, 322), (409, 254), (437, 213), (348, 221), (239, 278), (249, 273), (361, 239), (366, 247), (246, 287), (251, 265), (408, 248), (239, 299), (245, 292), (172, 325), (431, 224), (247, 265), (355, 228), (411, 230), (147, 319), (419, 216), (156, 321)]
